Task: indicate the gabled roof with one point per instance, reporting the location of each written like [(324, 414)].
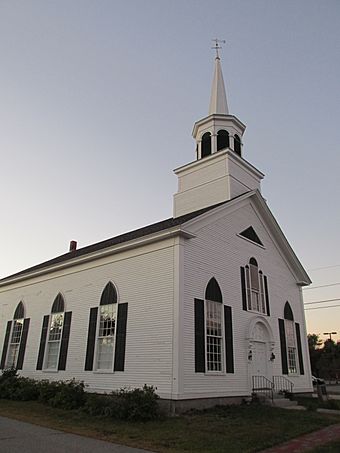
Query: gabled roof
[(269, 223), (169, 224), (163, 225)]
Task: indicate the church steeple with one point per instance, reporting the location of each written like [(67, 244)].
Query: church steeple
[(220, 172), (218, 98)]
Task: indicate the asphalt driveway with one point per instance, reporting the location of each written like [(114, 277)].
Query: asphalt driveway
[(21, 437)]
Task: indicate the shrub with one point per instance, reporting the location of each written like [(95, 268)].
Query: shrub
[(125, 404), (69, 395), (102, 405), (138, 404), (47, 390)]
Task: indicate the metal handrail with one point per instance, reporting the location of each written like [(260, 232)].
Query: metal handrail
[(263, 385), (282, 384)]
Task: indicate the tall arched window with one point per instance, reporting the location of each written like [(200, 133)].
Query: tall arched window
[(255, 287), (16, 336), (290, 339), (56, 323), (237, 144), (206, 145), (222, 140), (213, 324), (106, 328), (106, 338)]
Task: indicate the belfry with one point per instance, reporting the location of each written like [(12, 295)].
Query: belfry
[(220, 171)]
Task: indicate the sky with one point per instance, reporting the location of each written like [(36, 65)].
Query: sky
[(97, 104)]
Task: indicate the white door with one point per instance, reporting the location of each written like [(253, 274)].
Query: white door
[(259, 359)]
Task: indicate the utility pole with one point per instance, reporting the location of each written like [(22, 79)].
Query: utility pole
[(330, 334)]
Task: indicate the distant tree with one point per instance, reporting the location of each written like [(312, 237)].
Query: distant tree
[(315, 352)]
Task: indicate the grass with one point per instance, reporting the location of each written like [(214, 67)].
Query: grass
[(231, 428), (313, 403), (332, 447)]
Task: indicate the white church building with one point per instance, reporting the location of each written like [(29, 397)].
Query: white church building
[(206, 305)]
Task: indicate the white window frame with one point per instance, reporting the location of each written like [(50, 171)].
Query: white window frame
[(220, 338), (256, 300), (292, 362), (99, 338), (14, 345), (49, 341)]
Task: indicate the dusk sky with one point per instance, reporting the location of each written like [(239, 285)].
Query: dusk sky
[(97, 104)]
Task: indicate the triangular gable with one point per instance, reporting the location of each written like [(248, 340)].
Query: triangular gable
[(250, 233), (269, 223)]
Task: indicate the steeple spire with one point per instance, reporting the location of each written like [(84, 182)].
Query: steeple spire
[(218, 98)]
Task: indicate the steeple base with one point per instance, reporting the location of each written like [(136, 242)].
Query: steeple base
[(214, 179)]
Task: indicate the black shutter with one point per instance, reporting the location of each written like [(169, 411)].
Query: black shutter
[(22, 346), (5, 346), (91, 339), (299, 348), (64, 340), (121, 337), (243, 288), (283, 346), (266, 294), (42, 342), (199, 337), (228, 328)]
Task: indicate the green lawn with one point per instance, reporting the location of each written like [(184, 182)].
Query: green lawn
[(233, 429)]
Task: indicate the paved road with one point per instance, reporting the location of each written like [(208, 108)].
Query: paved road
[(20, 437)]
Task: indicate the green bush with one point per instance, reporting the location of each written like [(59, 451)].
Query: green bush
[(69, 395), (47, 390), (125, 404), (138, 404), (103, 405)]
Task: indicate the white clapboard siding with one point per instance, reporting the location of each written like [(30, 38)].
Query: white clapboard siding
[(218, 252)]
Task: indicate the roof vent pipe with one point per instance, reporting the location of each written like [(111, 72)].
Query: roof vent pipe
[(73, 246)]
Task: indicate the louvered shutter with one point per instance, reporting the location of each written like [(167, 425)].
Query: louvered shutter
[(228, 327), (43, 336), (243, 289), (5, 346), (91, 339), (266, 292), (299, 347), (64, 340), (199, 336), (23, 341), (283, 346), (121, 337)]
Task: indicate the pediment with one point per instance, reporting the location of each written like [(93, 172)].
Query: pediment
[(250, 233)]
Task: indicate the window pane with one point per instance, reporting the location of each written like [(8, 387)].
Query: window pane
[(107, 320), (56, 327), (105, 353), (17, 330), (52, 354), (214, 335), (12, 356)]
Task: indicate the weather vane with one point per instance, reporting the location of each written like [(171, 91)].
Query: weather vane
[(216, 46)]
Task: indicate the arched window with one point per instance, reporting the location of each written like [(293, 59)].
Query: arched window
[(290, 339), (206, 145), (237, 144), (213, 325), (222, 140), (16, 336), (255, 287), (56, 323), (106, 328)]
